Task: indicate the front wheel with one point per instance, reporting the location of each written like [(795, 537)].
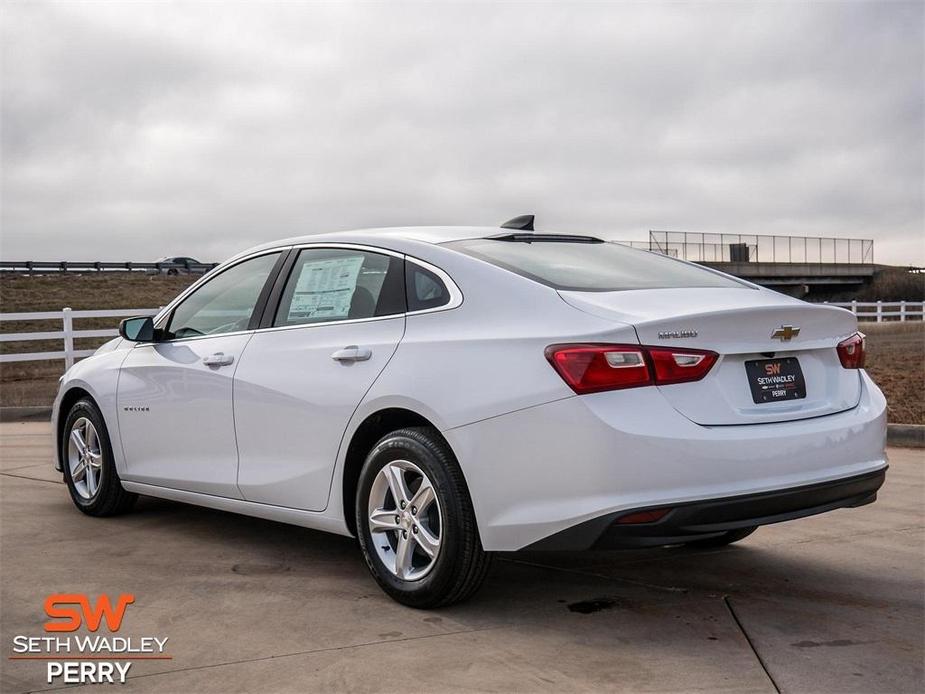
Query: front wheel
[(89, 471), (415, 521)]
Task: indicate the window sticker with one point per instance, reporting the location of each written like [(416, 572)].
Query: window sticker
[(325, 289)]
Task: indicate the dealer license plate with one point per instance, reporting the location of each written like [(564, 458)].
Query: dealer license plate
[(773, 380)]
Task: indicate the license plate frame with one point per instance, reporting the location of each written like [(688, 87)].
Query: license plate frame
[(775, 380)]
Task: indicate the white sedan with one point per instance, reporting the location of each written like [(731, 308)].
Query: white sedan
[(442, 393)]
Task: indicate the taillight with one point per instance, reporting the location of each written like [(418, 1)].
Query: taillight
[(680, 365), (592, 368), (851, 352)]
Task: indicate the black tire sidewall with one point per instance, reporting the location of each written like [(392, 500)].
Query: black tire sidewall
[(87, 408), (427, 457)]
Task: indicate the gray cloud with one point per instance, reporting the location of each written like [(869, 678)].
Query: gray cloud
[(132, 130)]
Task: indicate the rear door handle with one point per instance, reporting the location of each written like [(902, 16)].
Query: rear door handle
[(352, 353), (218, 359)]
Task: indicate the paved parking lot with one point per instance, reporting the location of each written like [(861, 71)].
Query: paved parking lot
[(827, 604)]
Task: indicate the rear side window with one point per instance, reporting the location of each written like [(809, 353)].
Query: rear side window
[(591, 267), (424, 289), (333, 284)]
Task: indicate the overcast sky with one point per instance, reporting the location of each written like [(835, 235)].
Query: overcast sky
[(132, 131)]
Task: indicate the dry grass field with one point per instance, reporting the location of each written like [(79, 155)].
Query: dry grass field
[(35, 383), (896, 351), (896, 361)]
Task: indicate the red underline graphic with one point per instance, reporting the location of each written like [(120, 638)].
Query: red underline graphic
[(91, 657)]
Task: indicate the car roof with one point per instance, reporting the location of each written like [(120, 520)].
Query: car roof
[(424, 234), (399, 239)]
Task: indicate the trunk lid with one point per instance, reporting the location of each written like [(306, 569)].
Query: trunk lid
[(738, 324)]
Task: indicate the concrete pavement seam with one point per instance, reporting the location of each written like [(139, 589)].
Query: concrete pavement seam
[(31, 479), (751, 645)]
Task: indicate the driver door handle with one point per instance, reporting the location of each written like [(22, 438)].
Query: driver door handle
[(218, 359), (352, 353)]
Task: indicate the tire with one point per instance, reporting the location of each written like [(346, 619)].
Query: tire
[(458, 564), (173, 271), (105, 496), (727, 538)]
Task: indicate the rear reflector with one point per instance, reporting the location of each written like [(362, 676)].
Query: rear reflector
[(851, 352), (592, 368), (643, 517)]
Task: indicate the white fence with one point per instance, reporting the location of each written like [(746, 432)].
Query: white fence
[(880, 310), (872, 311), (67, 334)]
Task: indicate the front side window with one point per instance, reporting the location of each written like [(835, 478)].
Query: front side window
[(334, 284), (591, 267), (225, 303)]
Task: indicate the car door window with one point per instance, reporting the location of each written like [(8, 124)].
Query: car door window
[(225, 303), (425, 290), (333, 284)]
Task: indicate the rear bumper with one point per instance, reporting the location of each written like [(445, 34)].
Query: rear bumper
[(710, 518), (542, 470)]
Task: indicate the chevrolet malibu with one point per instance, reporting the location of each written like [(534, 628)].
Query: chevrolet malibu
[(443, 393)]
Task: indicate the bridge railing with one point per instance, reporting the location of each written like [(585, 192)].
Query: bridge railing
[(66, 335), (703, 247), (881, 311)]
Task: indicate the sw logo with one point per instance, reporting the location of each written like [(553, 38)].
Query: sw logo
[(73, 658), (772, 369), (60, 606)]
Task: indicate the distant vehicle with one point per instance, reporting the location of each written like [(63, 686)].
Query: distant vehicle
[(441, 393), (185, 261)]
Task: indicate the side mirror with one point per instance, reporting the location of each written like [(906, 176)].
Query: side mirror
[(137, 329)]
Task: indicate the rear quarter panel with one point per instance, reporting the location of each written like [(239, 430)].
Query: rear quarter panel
[(486, 357)]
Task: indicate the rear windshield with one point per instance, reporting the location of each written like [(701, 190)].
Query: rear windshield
[(591, 267)]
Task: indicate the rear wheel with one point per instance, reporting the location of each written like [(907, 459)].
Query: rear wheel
[(89, 471), (415, 521), (727, 538)]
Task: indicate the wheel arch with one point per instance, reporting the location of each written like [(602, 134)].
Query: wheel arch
[(68, 399), (365, 436)]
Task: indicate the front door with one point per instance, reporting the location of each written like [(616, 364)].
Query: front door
[(175, 395), (339, 320)]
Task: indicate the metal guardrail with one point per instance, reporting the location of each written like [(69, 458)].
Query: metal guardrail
[(879, 310), (67, 334), (703, 247), (45, 266)]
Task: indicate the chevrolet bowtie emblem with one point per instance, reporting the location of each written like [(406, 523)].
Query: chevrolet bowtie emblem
[(785, 333)]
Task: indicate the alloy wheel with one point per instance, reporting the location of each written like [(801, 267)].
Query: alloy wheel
[(405, 520), (85, 458)]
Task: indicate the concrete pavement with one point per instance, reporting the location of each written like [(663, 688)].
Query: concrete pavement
[(826, 604)]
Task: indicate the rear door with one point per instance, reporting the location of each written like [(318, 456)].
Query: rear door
[(338, 320)]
